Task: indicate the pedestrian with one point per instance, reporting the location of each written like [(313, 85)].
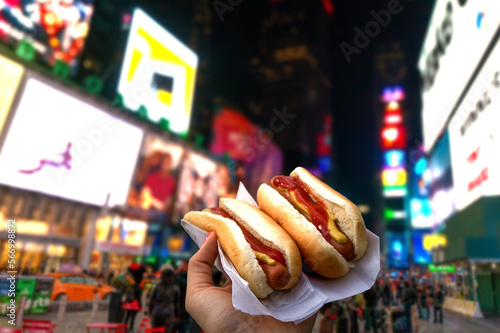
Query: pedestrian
[(354, 308), (386, 294), (182, 325), (423, 308), (438, 301), (341, 322), (132, 304), (371, 301), (165, 301), (408, 299)]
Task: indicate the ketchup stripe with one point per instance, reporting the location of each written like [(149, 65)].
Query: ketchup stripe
[(254, 242)]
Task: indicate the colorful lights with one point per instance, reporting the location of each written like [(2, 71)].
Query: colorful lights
[(393, 94), (393, 107), (394, 191), (394, 177), (393, 119), (394, 158), (393, 137), (434, 241), (390, 214)]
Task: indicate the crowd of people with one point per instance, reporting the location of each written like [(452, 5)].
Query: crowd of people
[(392, 305)]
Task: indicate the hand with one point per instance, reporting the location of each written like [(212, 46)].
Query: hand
[(212, 307)]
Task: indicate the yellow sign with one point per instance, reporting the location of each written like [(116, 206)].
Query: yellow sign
[(10, 77), (158, 73), (434, 241), (394, 177)]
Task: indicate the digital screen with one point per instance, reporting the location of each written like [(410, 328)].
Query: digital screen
[(441, 187), (158, 73), (10, 78), (59, 145), (420, 254), (458, 35), (200, 185), (256, 159), (56, 29), (420, 206), (475, 136), (397, 250), (155, 181)]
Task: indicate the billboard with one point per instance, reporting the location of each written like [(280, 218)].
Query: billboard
[(158, 73), (256, 159), (441, 188), (475, 137), (459, 33), (200, 185), (155, 182), (60, 145), (55, 29), (421, 255), (12, 74)]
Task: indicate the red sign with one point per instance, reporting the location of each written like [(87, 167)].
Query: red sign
[(393, 137)]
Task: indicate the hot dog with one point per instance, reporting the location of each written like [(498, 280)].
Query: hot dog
[(261, 251), (328, 228)]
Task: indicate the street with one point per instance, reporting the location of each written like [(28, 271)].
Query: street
[(452, 323), (74, 322)]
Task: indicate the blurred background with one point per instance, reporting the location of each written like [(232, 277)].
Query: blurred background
[(118, 117)]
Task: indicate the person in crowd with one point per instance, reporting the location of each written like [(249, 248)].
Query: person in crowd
[(183, 322), (212, 306), (354, 308), (132, 304), (408, 299), (386, 294), (165, 301), (423, 308), (438, 300), (342, 321), (371, 300)]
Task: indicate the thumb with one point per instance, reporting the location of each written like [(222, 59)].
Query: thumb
[(200, 265)]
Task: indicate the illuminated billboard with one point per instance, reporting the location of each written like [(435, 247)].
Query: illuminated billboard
[(475, 137), (55, 30), (9, 82), (60, 145), (200, 185), (155, 181), (158, 73), (459, 33)]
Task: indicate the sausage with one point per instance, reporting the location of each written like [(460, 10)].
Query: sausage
[(346, 250), (277, 275)]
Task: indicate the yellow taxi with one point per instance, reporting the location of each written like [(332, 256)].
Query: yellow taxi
[(78, 287)]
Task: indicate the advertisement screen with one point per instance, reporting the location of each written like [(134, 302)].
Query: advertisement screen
[(458, 35), (420, 254), (397, 250), (256, 158), (201, 185), (158, 73), (59, 145), (475, 136), (441, 189), (155, 182), (9, 82), (55, 29)]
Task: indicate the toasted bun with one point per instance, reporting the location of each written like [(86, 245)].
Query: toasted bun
[(319, 255), (349, 217), (238, 250)]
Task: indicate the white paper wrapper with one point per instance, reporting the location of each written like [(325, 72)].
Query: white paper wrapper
[(309, 294)]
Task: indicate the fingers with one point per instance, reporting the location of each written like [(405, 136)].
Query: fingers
[(200, 265)]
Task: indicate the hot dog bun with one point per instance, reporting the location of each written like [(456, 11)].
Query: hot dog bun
[(320, 255), (238, 250)]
